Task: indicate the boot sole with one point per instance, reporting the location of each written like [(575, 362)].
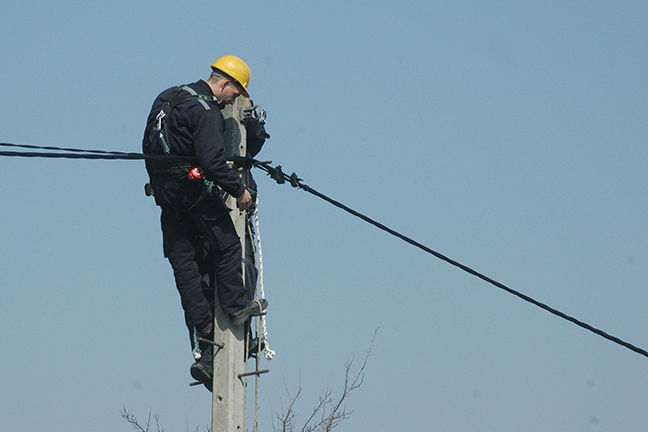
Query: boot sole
[(256, 308), (199, 374)]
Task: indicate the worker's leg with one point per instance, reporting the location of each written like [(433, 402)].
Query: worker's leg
[(226, 251), (180, 246)]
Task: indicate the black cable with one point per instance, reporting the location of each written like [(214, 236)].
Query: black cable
[(34, 147), (297, 182), (71, 153), (280, 177)]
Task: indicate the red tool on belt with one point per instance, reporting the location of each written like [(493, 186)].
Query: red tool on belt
[(195, 174)]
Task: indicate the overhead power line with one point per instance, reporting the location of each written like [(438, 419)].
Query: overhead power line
[(72, 153), (280, 177)]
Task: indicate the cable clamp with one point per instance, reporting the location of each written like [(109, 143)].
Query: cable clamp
[(276, 174), (253, 113), (294, 180)]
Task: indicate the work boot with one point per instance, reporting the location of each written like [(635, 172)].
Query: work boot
[(253, 347), (203, 372), (254, 308)]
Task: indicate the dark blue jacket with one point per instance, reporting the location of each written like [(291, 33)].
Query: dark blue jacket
[(197, 132)]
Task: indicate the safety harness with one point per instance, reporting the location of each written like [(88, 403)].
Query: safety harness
[(160, 132), (159, 140)]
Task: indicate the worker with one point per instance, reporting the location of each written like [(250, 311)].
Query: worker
[(186, 122)]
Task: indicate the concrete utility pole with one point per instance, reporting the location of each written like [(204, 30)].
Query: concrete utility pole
[(229, 395)]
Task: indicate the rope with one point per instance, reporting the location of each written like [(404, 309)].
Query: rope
[(269, 354)]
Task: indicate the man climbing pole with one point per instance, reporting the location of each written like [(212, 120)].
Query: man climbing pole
[(186, 121)]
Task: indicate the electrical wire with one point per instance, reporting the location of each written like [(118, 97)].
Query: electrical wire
[(280, 177), (71, 153)]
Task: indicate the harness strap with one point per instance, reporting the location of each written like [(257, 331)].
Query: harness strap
[(201, 98), (160, 130)]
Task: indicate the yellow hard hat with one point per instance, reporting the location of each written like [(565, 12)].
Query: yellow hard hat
[(236, 69)]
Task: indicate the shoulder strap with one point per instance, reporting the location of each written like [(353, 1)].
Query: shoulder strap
[(159, 136), (175, 98)]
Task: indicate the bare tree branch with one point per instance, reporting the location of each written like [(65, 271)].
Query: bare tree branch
[(130, 418), (287, 418), (329, 410)]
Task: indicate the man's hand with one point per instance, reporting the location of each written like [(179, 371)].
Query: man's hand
[(244, 202)]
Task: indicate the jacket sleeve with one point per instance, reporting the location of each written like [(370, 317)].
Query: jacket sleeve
[(209, 146)]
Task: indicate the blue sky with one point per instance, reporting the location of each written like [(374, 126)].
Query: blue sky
[(509, 136)]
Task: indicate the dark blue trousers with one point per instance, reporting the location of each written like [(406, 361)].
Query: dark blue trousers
[(197, 240)]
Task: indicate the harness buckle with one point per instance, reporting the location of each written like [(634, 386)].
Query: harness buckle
[(158, 128)]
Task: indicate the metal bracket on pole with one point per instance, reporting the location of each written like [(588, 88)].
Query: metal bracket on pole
[(246, 374), (214, 343)]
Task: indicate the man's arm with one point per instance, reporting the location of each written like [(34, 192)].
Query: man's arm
[(209, 145)]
